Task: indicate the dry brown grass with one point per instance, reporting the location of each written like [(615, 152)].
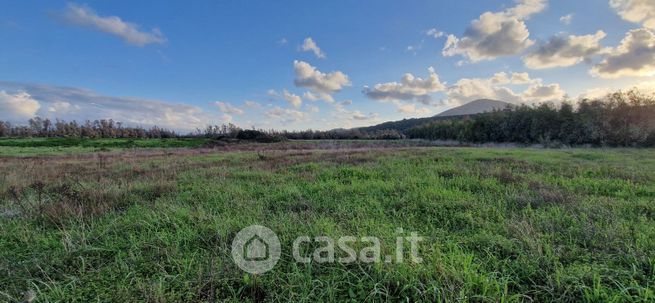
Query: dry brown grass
[(58, 188)]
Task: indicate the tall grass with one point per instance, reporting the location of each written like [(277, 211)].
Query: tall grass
[(501, 225)]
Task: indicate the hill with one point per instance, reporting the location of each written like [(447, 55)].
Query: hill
[(472, 108), (475, 107)]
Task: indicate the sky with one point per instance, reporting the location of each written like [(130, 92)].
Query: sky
[(312, 64)]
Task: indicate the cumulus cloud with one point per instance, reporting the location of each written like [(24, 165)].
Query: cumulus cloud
[(635, 56), (409, 88), (411, 108), (286, 115), (309, 77), (228, 108), (561, 51), (496, 34), (544, 93), (294, 100), (61, 107), (566, 19), (129, 32), (513, 78), (318, 96), (502, 87), (637, 11), (17, 106), (309, 45), (84, 104)]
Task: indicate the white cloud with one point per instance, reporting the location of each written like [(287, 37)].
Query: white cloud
[(129, 32), (514, 78), (411, 108), (17, 106), (61, 107), (409, 88), (637, 11), (434, 33), (346, 102), (318, 96), (564, 51), (309, 77), (228, 108), (635, 56), (89, 105), (294, 100), (544, 93), (496, 34), (500, 87), (309, 45), (286, 115), (466, 90), (566, 19), (282, 41)]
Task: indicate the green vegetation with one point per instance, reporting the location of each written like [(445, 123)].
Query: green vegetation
[(104, 143), (501, 225), (621, 119), (30, 147)]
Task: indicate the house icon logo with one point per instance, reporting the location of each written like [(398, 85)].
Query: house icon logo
[(256, 249)]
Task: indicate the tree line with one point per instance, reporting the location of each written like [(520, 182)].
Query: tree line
[(619, 119), (40, 127), (46, 128)]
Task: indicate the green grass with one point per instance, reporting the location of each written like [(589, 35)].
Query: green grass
[(100, 143), (67, 146), (501, 225)]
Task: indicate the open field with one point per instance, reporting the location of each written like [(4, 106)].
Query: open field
[(64, 146), (156, 225), (52, 146)]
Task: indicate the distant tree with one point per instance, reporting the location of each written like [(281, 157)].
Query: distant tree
[(619, 119)]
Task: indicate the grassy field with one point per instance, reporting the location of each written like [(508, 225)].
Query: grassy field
[(58, 146), (500, 225)]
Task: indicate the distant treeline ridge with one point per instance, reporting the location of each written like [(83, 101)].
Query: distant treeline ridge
[(619, 119)]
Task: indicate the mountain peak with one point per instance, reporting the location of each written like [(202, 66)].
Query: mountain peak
[(475, 107)]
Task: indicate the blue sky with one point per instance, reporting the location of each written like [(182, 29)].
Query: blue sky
[(312, 64)]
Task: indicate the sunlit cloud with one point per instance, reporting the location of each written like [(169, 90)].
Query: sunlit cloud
[(309, 45), (635, 56), (637, 11), (409, 88), (495, 34)]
